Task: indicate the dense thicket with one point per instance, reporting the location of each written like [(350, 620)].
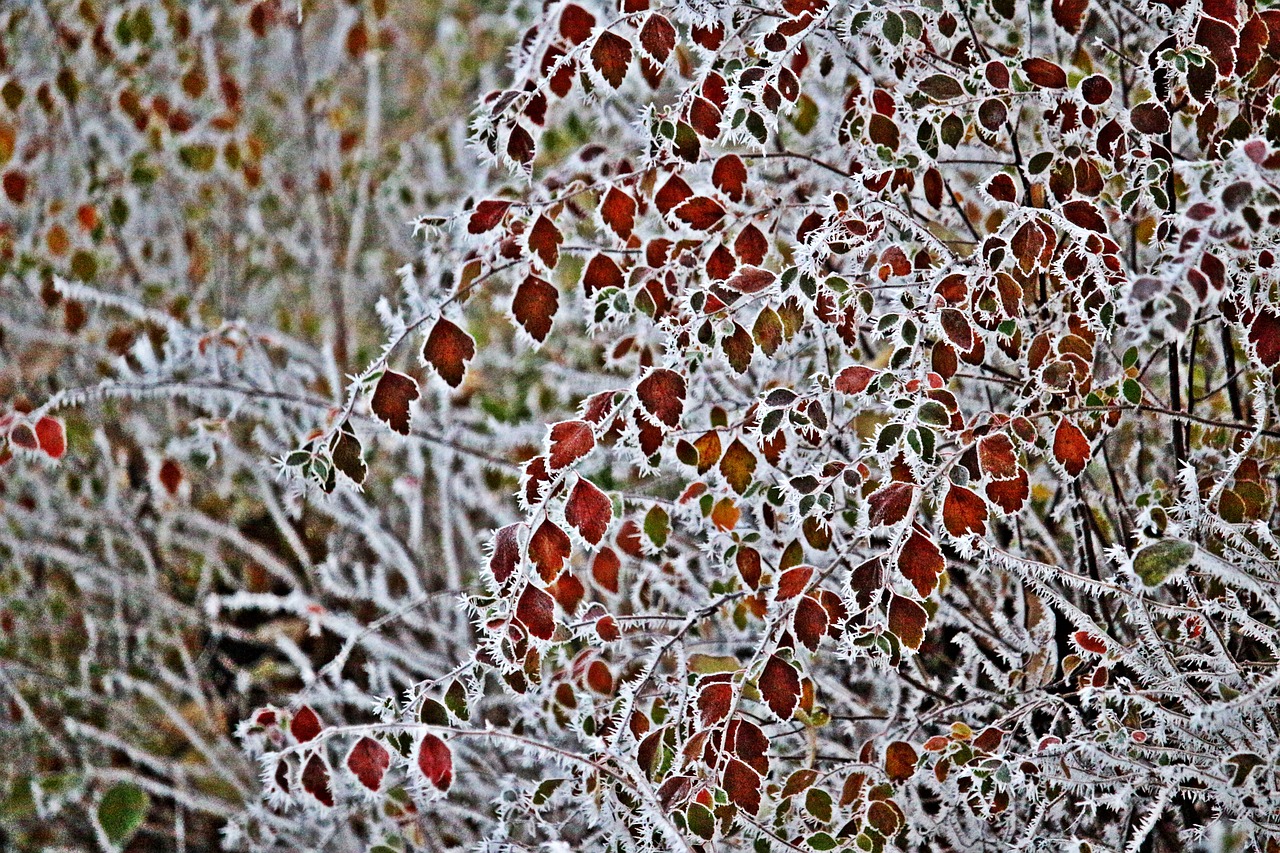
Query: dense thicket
[(819, 426)]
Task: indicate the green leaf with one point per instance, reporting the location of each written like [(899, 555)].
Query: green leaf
[(1132, 391), (1157, 561), (122, 810), (657, 525)]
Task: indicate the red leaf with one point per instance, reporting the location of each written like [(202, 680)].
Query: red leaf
[(793, 581), (1096, 89), (601, 272), (368, 761), (604, 568), (611, 56), (921, 562), (1045, 74), (738, 465), (315, 780), (751, 246), (391, 398), (661, 393), (544, 240), (997, 457), (704, 116), (780, 687), (748, 562), (1085, 215), (170, 476), (673, 192), (576, 23), (700, 212), (305, 724), (890, 504), (506, 553), (854, 380), (708, 37), (435, 761), (618, 210), (448, 349), (1089, 642), (487, 215), (714, 702), (1264, 334), (1071, 448), (964, 511), (1069, 14), (568, 592), (589, 512), (570, 441), (751, 280), (51, 437), (900, 761), (536, 610), (549, 547), (534, 305), (658, 37), (742, 784), (22, 435), (957, 328), (810, 622), (1011, 494), (907, 620)]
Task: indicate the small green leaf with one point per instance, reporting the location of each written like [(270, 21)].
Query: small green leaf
[(657, 526), (122, 810), (1157, 561), (1132, 391)]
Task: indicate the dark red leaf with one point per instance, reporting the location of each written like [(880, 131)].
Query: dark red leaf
[(742, 784), (536, 610), (544, 241), (810, 622), (921, 562), (534, 305), (780, 687), (1089, 642), (506, 552), (368, 761), (315, 780), (658, 37), (673, 193), (738, 464), (435, 761), (576, 23), (714, 702), (1085, 215), (1045, 74), (751, 280), (448, 349), (661, 393), (751, 246), (700, 212), (520, 144), (997, 457), (601, 272), (391, 398), (1264, 334), (1069, 14), (854, 379), (793, 581), (487, 215), (305, 725), (618, 210), (890, 504)]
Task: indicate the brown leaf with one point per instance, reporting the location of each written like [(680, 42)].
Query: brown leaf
[(751, 280), (544, 241), (742, 784), (1045, 74), (1071, 448), (448, 349), (506, 552), (714, 702), (487, 215), (618, 210), (907, 620), (729, 175), (964, 511), (997, 457), (601, 272), (658, 37), (305, 725), (890, 504), (700, 212), (611, 56), (315, 780), (810, 622), (738, 464), (391, 398), (900, 761), (534, 305), (576, 23)]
